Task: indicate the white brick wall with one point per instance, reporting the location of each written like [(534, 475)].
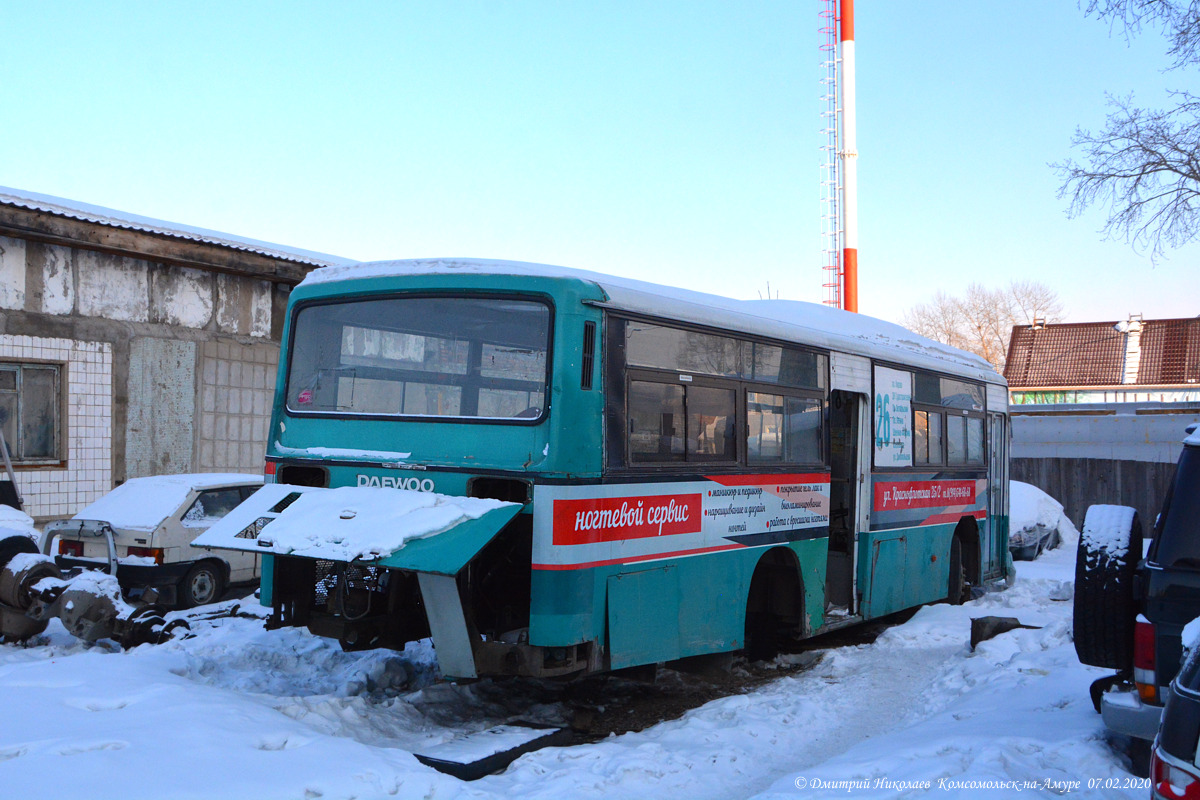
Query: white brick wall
[(88, 429)]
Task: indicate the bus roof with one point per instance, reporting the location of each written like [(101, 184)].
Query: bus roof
[(789, 320)]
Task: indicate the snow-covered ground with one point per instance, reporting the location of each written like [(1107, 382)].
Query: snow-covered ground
[(240, 712)]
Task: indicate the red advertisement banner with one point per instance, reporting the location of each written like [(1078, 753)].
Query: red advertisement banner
[(901, 495), (608, 519)]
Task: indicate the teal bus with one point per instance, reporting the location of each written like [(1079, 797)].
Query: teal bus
[(680, 473)]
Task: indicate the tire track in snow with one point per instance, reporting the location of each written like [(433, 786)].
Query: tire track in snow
[(739, 745)]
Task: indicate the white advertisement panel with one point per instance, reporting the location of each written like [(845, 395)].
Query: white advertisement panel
[(593, 525), (893, 416)]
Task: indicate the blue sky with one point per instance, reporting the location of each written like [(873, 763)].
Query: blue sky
[(671, 141)]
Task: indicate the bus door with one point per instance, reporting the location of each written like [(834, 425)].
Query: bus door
[(994, 542), (847, 426)]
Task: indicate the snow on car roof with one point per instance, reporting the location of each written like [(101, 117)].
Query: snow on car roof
[(781, 319), (121, 219), (141, 504)]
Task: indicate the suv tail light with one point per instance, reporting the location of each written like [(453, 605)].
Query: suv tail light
[(1144, 677), (67, 547), (269, 472), (1172, 782), (148, 552)]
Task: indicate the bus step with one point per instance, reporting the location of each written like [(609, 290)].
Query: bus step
[(471, 756)]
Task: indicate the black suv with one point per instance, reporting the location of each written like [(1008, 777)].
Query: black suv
[(1129, 611)]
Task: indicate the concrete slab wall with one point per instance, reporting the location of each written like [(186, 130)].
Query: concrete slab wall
[(234, 406), (1153, 438), (1084, 454), (12, 273), (162, 407)]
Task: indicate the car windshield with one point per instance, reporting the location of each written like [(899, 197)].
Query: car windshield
[(479, 357), (1178, 541)]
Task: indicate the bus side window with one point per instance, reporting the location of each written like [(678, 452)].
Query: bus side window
[(927, 444), (668, 422), (974, 440), (783, 428), (710, 418), (956, 440), (656, 423)]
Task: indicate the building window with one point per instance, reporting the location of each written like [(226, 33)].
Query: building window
[(30, 403)]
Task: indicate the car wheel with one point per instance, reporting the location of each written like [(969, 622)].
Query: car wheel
[(1110, 547), (203, 584), (958, 589)]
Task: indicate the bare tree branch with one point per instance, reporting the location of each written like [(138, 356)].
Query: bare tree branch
[(1179, 22), (981, 321), (1144, 167)]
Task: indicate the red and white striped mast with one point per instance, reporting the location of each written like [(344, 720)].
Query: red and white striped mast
[(840, 181), (849, 156)]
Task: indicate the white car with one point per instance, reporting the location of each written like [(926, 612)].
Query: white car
[(144, 528)]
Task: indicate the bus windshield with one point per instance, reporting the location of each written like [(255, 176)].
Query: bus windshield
[(475, 357)]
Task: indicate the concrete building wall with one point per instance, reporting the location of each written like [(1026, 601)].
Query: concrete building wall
[(162, 407), (234, 405), (170, 369), (12, 273)]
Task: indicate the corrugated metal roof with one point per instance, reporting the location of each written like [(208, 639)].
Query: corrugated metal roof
[(119, 219), (1093, 354)]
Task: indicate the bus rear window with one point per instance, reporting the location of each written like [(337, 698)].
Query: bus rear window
[(476, 357)]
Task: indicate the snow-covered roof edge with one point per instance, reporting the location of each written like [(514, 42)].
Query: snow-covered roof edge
[(782, 319), (119, 219)]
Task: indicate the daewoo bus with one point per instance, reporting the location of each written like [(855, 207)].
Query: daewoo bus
[(687, 474)]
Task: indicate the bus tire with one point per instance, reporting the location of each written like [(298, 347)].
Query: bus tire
[(1110, 547), (958, 589)]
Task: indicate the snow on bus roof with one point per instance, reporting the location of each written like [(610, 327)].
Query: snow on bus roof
[(782, 319)]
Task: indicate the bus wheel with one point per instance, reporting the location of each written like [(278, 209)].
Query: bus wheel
[(958, 590)]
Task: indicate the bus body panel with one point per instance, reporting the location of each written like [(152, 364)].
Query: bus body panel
[(700, 601), (632, 595), (569, 446)]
